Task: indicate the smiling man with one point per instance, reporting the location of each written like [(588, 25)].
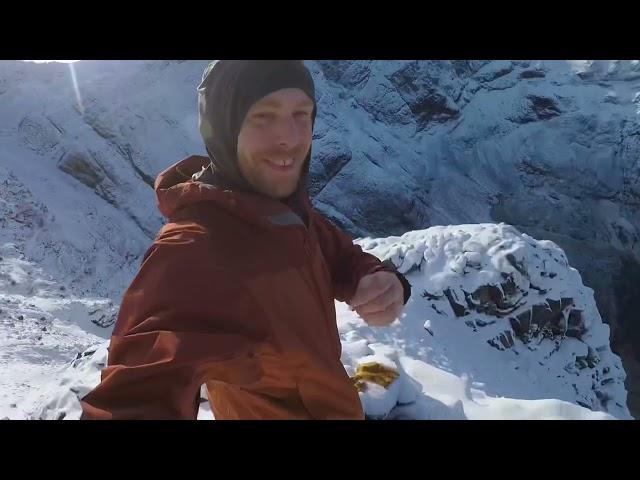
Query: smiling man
[(237, 291)]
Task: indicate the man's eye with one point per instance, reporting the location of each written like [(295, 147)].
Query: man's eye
[(302, 114), (262, 116)]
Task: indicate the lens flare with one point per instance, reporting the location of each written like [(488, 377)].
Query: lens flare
[(76, 89)]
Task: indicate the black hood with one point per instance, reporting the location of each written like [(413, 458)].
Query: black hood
[(228, 90)]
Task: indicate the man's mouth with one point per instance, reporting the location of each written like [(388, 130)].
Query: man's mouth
[(281, 165)]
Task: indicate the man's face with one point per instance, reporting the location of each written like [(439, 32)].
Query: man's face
[(274, 140)]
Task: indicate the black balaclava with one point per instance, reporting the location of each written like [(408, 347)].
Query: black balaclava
[(228, 90)]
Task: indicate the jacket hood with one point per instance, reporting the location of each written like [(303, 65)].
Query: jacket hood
[(228, 90), (179, 186)]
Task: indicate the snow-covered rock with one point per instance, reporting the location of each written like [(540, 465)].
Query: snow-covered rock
[(504, 313)]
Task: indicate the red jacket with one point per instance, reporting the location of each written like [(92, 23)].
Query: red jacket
[(235, 292)]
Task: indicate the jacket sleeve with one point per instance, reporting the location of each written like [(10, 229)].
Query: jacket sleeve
[(347, 261), (177, 328)]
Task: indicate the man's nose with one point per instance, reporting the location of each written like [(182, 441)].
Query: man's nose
[(288, 133)]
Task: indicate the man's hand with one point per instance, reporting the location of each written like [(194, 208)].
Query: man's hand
[(379, 298)]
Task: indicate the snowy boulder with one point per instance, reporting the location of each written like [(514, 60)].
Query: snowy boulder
[(383, 384), (82, 375)]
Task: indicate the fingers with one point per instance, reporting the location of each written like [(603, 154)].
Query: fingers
[(380, 303), (370, 287), (387, 317)]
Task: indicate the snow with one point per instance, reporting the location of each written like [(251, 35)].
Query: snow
[(42, 323), (57, 230), (41, 328)]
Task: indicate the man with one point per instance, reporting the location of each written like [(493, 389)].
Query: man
[(237, 291)]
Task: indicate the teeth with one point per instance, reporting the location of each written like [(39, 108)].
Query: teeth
[(283, 162)]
